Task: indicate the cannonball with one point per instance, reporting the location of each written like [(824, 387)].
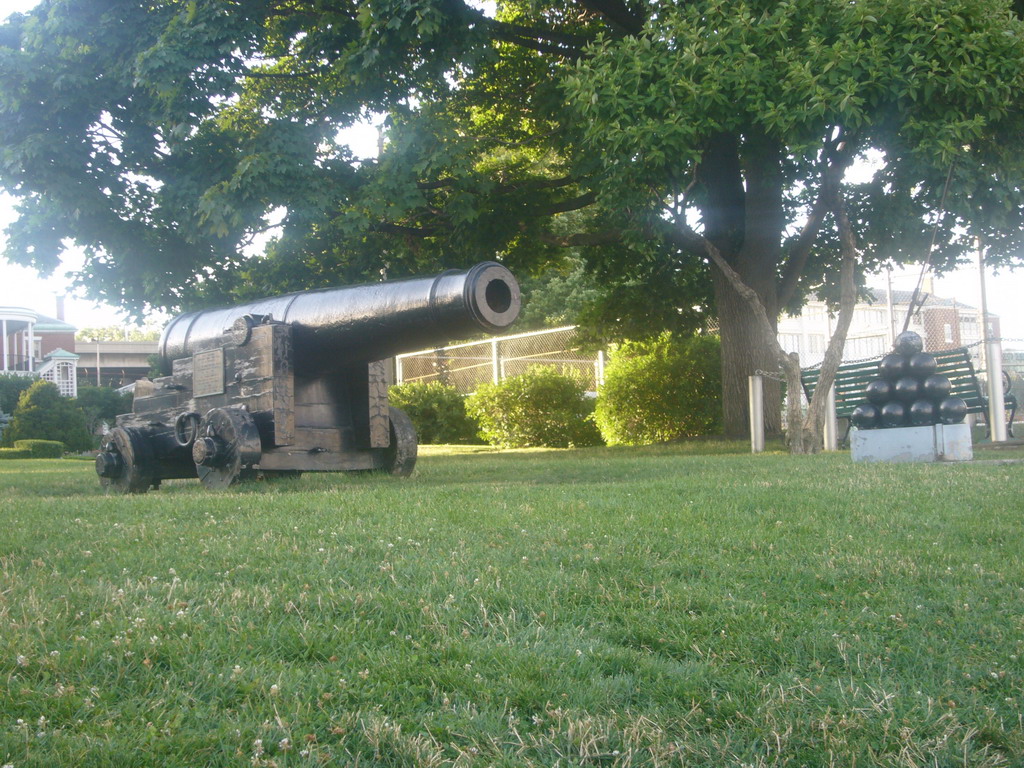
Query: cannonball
[(878, 392), (936, 387), (865, 416), (922, 413), (952, 410), (908, 343), (922, 365), (907, 389), (893, 414), (892, 366)]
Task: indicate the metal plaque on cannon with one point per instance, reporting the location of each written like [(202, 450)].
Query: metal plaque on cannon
[(208, 372)]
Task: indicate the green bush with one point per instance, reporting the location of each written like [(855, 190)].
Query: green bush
[(14, 453), (11, 387), (101, 405), (42, 414), (41, 449), (542, 407), (437, 411), (661, 389)]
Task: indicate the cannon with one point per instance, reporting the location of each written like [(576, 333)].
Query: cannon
[(294, 383)]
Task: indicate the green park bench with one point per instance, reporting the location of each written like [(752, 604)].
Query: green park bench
[(954, 364)]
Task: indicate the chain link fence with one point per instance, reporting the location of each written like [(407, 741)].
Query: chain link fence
[(467, 366)]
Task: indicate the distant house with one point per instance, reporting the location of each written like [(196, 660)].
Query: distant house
[(38, 345), (944, 323)]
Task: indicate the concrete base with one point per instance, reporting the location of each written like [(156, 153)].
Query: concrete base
[(942, 442)]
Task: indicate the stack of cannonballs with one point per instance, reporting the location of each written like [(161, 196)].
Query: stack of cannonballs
[(908, 392)]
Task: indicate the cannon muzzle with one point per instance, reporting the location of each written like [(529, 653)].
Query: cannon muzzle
[(340, 326)]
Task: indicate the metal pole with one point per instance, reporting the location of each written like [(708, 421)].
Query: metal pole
[(98, 362), (495, 362), (3, 324), (889, 306), (831, 431), (756, 389), (993, 362)]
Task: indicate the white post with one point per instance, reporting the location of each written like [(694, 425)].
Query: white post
[(996, 411), (399, 373), (756, 387), (30, 353), (993, 362), (600, 369), (831, 429), (3, 324), (495, 362)]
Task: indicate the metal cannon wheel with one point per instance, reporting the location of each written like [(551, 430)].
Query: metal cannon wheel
[(227, 448), (126, 464)]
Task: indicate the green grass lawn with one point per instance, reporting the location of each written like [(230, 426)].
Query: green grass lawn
[(637, 607)]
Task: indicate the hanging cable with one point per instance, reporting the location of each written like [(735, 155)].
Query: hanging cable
[(912, 306)]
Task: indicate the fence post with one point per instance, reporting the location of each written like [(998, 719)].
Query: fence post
[(756, 387), (495, 362), (399, 373), (600, 370), (831, 432)]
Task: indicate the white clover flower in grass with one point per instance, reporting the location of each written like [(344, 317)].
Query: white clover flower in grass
[(22, 660), (275, 689)]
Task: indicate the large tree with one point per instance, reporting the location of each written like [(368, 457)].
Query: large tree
[(689, 150)]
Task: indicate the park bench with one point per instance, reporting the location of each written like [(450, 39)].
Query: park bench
[(954, 364)]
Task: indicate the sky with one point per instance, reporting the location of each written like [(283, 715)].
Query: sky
[(22, 287)]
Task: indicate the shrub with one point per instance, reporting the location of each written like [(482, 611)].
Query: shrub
[(41, 449), (11, 387), (541, 407), (437, 411), (42, 414), (14, 453), (101, 405), (661, 389)]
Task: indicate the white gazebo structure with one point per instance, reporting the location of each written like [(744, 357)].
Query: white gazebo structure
[(17, 333), (59, 367)]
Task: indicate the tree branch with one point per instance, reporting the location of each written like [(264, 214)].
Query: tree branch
[(837, 156), (404, 230), (572, 204), (541, 39), (284, 75), (582, 238), (618, 15)]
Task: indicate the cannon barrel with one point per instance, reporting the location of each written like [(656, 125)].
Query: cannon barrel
[(333, 326)]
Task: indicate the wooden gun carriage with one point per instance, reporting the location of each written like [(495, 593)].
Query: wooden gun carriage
[(294, 383)]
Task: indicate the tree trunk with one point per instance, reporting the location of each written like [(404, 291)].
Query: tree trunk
[(744, 352), (745, 220)]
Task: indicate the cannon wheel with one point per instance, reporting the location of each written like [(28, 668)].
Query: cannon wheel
[(400, 456), (227, 447), (126, 464)]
